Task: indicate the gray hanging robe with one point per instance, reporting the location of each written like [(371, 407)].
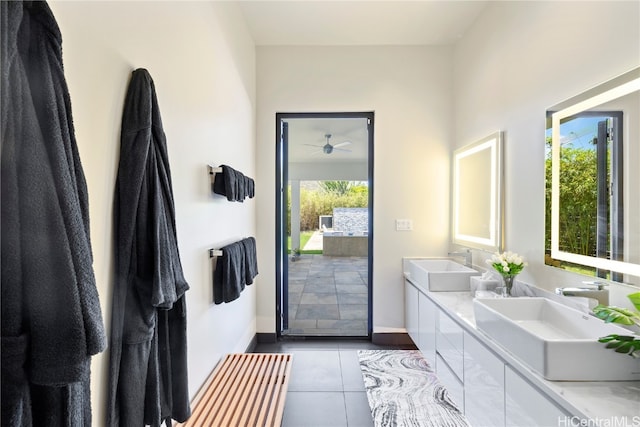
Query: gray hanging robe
[(148, 351), (51, 317)]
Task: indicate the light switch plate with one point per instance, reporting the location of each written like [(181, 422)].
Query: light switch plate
[(404, 224)]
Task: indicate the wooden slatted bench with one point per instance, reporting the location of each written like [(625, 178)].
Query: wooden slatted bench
[(244, 390)]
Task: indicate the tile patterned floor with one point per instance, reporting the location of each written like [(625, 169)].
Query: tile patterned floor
[(326, 388), (328, 296)]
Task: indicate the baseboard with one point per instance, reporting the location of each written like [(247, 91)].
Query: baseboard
[(386, 338), (252, 344), (266, 338), (391, 338)]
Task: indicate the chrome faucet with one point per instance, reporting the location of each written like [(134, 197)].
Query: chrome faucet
[(466, 255), (595, 290)]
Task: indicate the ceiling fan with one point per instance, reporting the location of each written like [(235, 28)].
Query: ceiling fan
[(328, 148)]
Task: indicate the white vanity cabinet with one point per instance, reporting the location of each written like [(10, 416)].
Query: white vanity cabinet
[(420, 321), (411, 314), (476, 374), (483, 384), (527, 406), (439, 338)]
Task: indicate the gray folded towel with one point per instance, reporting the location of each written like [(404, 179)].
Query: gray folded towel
[(233, 184), (250, 259), (250, 187), (225, 183), (229, 277), (241, 192)]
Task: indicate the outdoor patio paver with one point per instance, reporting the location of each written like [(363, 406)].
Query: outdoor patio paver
[(328, 296)]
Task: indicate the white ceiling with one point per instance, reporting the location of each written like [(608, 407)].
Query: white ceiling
[(351, 22), (359, 22), (307, 137)]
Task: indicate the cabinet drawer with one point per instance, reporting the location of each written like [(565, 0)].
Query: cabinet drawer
[(451, 382), (449, 344), (476, 354), (526, 405), (483, 385), (451, 331), (453, 357)]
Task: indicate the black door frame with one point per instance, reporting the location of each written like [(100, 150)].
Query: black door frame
[(281, 203)]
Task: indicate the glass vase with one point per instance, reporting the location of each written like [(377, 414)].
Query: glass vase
[(507, 281)]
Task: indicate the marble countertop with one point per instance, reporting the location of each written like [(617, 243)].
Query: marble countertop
[(601, 402)]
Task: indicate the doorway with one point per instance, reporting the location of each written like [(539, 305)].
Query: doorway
[(324, 230)]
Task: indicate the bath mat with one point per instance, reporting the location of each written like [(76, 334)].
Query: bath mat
[(403, 391)]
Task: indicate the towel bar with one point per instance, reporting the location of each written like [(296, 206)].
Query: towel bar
[(214, 170), (214, 253)]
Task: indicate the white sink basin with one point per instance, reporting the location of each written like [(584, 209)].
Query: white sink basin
[(440, 274), (558, 342)]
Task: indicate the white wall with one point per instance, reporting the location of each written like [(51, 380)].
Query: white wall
[(409, 89), (202, 61), (517, 60)]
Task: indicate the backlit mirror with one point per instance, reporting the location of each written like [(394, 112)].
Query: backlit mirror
[(477, 194), (593, 181)]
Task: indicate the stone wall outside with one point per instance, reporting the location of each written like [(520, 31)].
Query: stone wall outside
[(351, 220)]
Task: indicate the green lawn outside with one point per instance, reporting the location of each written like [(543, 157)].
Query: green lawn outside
[(304, 238)]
